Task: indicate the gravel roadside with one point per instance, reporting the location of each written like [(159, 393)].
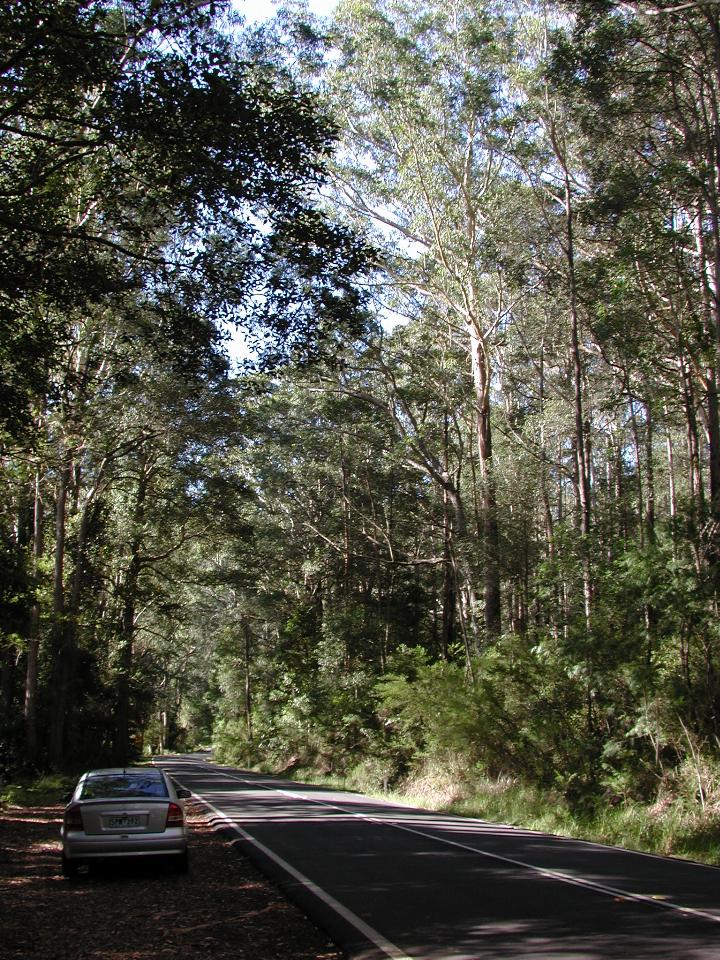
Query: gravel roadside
[(223, 908)]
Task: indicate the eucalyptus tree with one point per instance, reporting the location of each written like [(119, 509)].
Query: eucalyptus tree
[(413, 380), (121, 435), (648, 71), (419, 91)]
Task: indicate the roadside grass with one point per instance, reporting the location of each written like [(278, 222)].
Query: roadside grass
[(674, 827), (676, 830)]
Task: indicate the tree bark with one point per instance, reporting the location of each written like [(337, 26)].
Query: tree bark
[(33, 652), (121, 747), (488, 497), (581, 454), (61, 645), (248, 683)]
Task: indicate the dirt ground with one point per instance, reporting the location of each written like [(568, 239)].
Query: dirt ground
[(223, 908)]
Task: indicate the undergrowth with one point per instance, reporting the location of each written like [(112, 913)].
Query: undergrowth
[(42, 791)]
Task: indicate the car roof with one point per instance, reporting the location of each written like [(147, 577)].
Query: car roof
[(151, 772)]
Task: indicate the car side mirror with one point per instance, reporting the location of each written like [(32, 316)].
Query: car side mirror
[(65, 798), (183, 794)]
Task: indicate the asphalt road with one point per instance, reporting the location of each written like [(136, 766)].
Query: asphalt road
[(391, 881)]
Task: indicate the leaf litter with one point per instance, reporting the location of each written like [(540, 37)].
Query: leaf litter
[(222, 909)]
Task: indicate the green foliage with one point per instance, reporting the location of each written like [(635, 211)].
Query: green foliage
[(301, 568), (98, 102), (231, 744), (435, 713), (156, 178), (45, 790)]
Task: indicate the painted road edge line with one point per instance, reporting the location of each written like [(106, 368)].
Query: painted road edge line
[(357, 922)]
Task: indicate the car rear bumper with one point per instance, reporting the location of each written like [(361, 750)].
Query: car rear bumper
[(78, 847)]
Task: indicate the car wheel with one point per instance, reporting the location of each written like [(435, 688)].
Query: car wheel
[(69, 867), (182, 863)]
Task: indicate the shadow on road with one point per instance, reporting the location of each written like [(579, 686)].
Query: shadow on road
[(437, 886)]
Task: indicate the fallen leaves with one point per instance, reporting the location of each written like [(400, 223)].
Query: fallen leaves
[(222, 909)]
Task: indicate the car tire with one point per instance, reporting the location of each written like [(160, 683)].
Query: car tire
[(182, 863), (69, 867)]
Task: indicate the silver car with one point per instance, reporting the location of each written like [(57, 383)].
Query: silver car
[(124, 812)]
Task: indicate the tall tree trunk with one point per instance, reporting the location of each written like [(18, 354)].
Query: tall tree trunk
[(346, 519), (121, 747), (650, 475), (639, 524), (461, 572), (447, 632), (713, 277), (672, 485), (488, 496), (695, 477), (33, 651), (710, 271), (248, 683), (125, 664), (448, 569), (66, 604), (61, 641), (580, 437)]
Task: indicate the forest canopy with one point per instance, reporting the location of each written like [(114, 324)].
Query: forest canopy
[(465, 509)]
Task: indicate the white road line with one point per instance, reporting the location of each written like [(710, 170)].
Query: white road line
[(359, 924), (542, 871)]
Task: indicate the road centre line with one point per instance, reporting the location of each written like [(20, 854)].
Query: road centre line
[(542, 871)]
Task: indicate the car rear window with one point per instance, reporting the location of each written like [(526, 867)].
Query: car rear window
[(122, 785)]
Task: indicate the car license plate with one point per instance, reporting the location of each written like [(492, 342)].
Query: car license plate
[(123, 822)]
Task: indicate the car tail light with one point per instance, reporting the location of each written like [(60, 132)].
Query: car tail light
[(174, 816), (73, 818)]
